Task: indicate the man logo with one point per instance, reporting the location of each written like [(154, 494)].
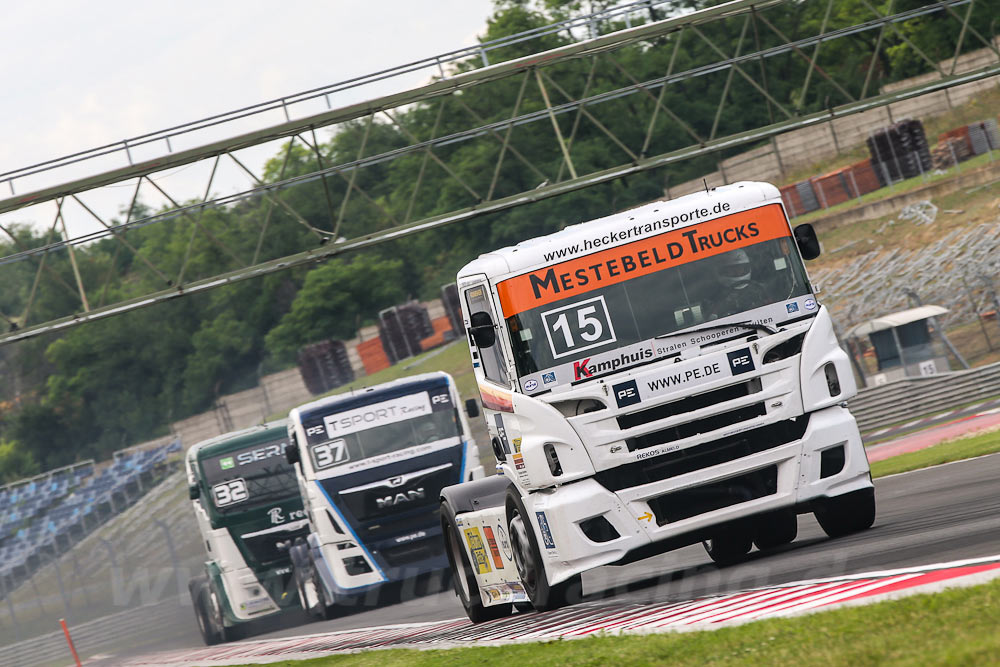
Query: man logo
[(401, 498), (626, 393), (276, 515)]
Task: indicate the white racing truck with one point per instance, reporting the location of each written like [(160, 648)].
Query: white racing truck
[(247, 505), (657, 378), (371, 465)]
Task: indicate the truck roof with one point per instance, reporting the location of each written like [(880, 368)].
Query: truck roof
[(657, 217), (346, 401), (229, 442)]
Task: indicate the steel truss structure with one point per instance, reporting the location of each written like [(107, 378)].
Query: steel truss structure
[(557, 95)]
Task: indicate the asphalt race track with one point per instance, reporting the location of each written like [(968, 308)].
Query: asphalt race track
[(946, 513)]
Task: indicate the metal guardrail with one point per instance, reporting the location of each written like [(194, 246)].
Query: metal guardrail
[(110, 634), (914, 397)]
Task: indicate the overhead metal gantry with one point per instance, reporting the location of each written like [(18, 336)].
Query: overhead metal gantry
[(94, 195)]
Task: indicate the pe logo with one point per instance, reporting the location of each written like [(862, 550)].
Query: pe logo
[(740, 361), (626, 393)]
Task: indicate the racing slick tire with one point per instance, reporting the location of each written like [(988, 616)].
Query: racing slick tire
[(462, 577), (775, 529), (528, 559), (198, 588), (731, 544), (846, 514)]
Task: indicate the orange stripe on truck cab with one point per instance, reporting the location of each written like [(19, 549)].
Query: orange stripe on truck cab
[(495, 398)]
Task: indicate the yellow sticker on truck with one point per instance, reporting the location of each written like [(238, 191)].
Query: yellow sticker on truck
[(475, 540)]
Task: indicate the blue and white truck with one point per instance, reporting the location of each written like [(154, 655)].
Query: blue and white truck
[(370, 466)]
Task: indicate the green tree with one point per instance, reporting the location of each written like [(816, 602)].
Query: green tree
[(16, 462), (335, 298)]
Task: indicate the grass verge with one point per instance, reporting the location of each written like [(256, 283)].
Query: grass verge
[(953, 450), (956, 626)]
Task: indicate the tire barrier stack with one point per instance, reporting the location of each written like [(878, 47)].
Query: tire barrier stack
[(325, 365), (401, 329), (401, 332), (452, 306), (899, 151)]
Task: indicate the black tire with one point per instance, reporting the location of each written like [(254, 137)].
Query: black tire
[(775, 529), (846, 514), (462, 577), (731, 545), (528, 558), (213, 606), (198, 588), (312, 596)]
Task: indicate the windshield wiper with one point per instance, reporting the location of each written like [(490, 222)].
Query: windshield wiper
[(757, 326)]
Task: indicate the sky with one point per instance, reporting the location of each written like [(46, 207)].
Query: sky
[(81, 74)]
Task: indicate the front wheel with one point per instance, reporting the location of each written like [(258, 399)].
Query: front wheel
[(198, 588), (462, 577), (730, 545), (528, 559), (849, 513), (775, 529)]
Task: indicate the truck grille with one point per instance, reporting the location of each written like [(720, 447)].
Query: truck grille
[(690, 459), (691, 502), (689, 404), (383, 500), (697, 426), (264, 547), (410, 553)]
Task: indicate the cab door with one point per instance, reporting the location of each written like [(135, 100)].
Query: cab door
[(484, 325)]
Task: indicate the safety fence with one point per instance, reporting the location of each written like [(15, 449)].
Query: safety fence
[(127, 630), (914, 397)]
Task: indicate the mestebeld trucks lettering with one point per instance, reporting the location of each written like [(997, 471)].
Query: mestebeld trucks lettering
[(660, 377)]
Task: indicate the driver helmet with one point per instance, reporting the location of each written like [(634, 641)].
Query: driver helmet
[(428, 432), (735, 270)]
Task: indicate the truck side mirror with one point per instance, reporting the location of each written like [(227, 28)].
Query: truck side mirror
[(482, 330), (194, 492), (472, 408), (292, 453), (805, 238)]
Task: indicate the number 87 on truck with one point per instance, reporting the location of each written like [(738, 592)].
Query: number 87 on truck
[(661, 377)]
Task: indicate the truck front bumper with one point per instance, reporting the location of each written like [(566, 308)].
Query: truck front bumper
[(686, 506)]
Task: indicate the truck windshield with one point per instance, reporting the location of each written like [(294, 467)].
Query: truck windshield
[(616, 326), (249, 477), (381, 428)]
